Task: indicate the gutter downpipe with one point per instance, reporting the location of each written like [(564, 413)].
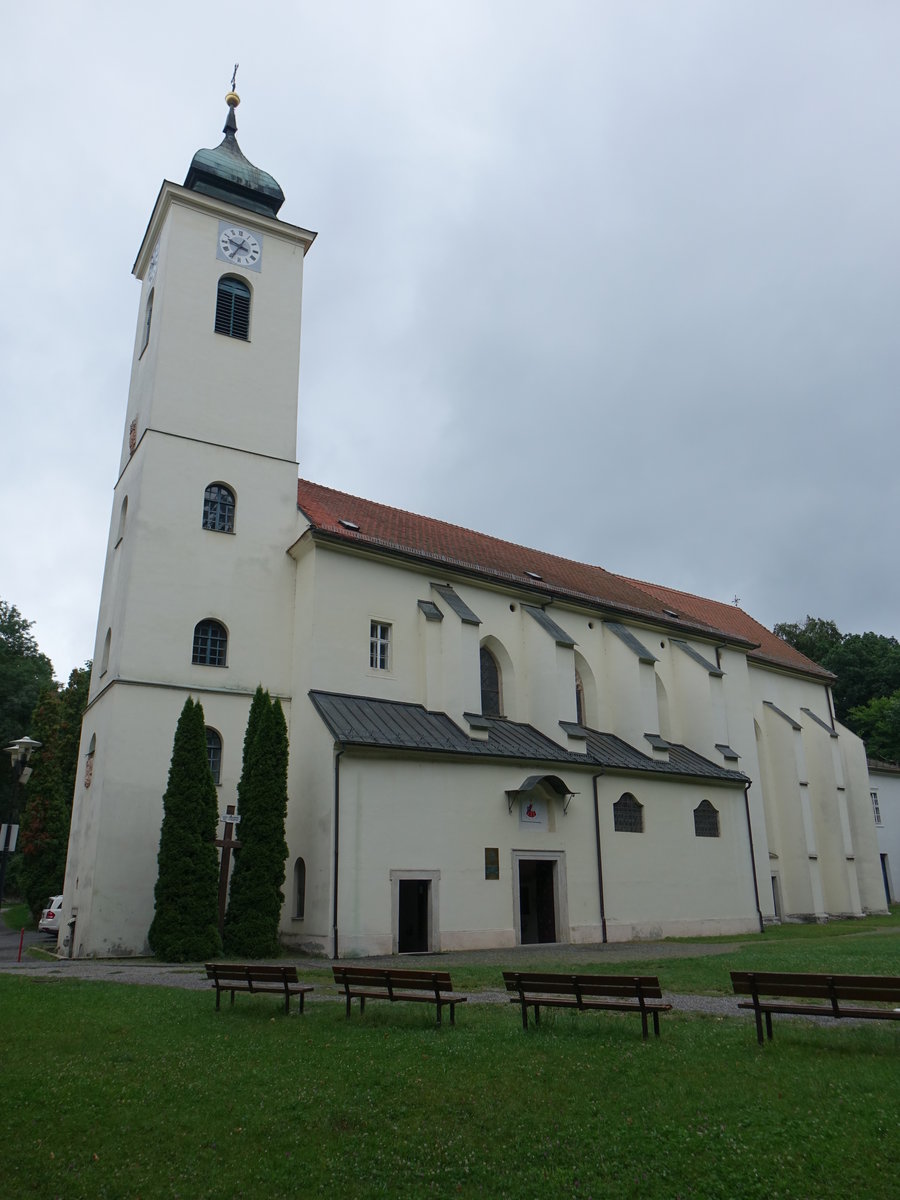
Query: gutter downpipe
[(762, 927), (594, 779), (337, 835)]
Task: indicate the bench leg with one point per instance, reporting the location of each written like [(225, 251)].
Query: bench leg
[(439, 1007), (644, 1029), (362, 1005), (301, 1002), (287, 1004), (656, 1023), (768, 1026), (232, 996), (759, 1033), (537, 1014), (217, 997), (452, 1014)]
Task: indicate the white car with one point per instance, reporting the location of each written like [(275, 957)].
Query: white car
[(49, 922)]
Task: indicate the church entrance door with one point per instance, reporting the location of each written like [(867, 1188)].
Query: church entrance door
[(537, 900), (412, 933)]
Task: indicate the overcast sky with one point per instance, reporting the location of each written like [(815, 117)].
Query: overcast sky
[(617, 280)]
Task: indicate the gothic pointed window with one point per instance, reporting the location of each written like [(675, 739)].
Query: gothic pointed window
[(148, 318), (210, 644), (706, 820), (490, 685), (218, 508), (299, 889), (233, 308), (579, 699), (214, 754)]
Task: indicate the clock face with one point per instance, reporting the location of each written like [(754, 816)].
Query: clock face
[(154, 263), (239, 246)]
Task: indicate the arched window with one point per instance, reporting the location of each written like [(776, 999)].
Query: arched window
[(89, 761), (299, 889), (214, 754), (706, 820), (579, 699), (104, 657), (210, 644), (628, 814), (218, 508), (123, 513), (490, 684), (233, 308), (148, 317)]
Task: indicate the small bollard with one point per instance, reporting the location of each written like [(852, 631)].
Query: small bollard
[(21, 940)]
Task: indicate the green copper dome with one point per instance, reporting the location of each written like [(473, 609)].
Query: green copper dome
[(227, 175)]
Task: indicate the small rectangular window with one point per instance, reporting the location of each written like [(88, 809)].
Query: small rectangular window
[(491, 862), (379, 646), (876, 807)]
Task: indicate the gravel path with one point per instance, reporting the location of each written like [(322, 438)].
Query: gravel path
[(193, 977)]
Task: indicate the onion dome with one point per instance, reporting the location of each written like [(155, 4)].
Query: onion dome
[(227, 175)]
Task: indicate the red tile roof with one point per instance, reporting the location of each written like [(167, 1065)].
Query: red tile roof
[(735, 621), (398, 532)]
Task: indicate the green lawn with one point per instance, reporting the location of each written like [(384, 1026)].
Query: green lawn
[(108, 1090), (17, 916), (871, 946)]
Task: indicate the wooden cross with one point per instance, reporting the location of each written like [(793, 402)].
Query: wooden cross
[(228, 843)]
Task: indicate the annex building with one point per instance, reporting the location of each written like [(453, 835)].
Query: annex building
[(490, 745)]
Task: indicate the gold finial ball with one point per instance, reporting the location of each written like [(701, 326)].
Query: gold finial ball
[(232, 99)]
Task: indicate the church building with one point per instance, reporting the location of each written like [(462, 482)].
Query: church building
[(489, 745)]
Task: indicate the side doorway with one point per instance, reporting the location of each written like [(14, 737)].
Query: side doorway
[(414, 911), (540, 909)]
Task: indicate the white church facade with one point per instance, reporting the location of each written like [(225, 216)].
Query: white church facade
[(489, 745)]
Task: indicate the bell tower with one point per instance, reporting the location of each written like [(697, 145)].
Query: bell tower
[(204, 508)]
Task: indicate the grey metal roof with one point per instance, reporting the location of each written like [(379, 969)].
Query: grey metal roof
[(431, 610), (697, 657), (456, 602), (726, 751), (818, 720), (548, 624), (363, 721), (621, 631), (790, 720), (657, 742)]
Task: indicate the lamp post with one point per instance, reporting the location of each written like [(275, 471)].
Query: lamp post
[(19, 752)]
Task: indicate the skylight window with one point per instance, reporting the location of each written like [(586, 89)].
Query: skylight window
[(534, 575), (670, 612), (348, 524)]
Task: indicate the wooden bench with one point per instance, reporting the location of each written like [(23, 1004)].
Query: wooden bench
[(839, 996), (253, 977), (614, 993), (381, 983)]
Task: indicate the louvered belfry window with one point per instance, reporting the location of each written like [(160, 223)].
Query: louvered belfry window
[(233, 308)]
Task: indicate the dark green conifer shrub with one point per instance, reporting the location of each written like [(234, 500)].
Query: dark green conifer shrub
[(256, 897), (185, 925)]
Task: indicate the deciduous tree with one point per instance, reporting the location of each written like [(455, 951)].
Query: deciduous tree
[(44, 836), (24, 673)]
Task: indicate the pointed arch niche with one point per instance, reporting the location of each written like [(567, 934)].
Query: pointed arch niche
[(586, 700)]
